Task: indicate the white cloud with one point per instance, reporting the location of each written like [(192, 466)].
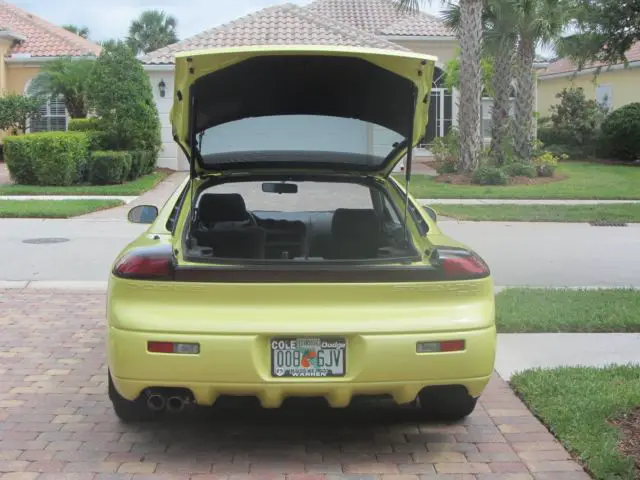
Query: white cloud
[(111, 18)]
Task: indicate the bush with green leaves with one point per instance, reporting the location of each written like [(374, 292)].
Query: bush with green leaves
[(109, 167), (446, 151), (16, 110), (487, 175), (575, 124), (142, 163), (121, 95), (519, 169), (93, 128), (620, 134), (47, 158)]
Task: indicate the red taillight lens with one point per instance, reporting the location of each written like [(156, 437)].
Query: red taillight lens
[(152, 263), (460, 264)]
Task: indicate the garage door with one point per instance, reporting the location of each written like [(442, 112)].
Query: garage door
[(291, 132)]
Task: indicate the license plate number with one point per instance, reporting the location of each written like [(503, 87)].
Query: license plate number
[(308, 357)]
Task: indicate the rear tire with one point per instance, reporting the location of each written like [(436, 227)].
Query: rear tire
[(130, 411), (447, 403)]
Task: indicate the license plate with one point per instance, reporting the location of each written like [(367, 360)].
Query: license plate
[(308, 357)]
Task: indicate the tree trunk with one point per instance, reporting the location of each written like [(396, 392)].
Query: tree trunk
[(525, 99), (470, 84), (501, 83)]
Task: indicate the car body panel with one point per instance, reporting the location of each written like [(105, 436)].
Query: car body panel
[(197, 66)]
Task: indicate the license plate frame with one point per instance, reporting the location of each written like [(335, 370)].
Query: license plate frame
[(307, 343)]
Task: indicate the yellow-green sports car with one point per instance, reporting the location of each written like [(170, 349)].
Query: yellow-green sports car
[(291, 263)]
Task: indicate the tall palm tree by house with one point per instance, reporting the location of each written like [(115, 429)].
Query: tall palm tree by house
[(500, 40), (540, 23), (154, 29), (470, 35)]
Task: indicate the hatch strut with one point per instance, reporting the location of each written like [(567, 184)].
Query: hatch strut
[(408, 166)]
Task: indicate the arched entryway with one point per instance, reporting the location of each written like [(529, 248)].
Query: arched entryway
[(440, 108)]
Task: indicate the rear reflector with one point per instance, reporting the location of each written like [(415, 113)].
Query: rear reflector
[(171, 347), (437, 347)]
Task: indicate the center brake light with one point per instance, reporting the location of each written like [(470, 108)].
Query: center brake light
[(459, 263), (146, 263)]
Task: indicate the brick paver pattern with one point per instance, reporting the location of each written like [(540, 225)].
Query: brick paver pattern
[(56, 421)]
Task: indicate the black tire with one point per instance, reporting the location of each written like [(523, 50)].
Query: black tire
[(128, 411), (447, 403)]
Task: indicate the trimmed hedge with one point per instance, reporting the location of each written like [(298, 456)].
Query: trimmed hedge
[(109, 167), (84, 125), (620, 133), (47, 158)]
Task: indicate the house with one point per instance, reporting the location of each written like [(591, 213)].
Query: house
[(614, 86), (362, 23), (26, 44)]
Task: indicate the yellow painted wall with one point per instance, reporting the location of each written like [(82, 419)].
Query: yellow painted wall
[(18, 76), (444, 50), (625, 85)]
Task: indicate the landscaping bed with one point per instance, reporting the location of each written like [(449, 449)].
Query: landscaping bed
[(460, 179), (592, 411), (53, 208), (582, 181), (132, 188), (623, 212), (531, 310)]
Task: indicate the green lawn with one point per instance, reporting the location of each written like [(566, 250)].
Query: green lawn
[(578, 405), (52, 208), (531, 310), (586, 181), (134, 188), (623, 212)]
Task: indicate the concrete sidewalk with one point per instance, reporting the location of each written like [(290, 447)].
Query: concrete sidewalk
[(497, 201), (125, 199), (523, 351)]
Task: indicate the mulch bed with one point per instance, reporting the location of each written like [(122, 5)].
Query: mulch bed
[(630, 427), (460, 179)]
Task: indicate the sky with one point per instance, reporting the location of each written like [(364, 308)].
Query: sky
[(111, 18)]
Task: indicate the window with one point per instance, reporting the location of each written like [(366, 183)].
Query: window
[(53, 114), (53, 117), (604, 96)]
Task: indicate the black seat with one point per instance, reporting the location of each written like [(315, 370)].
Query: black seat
[(221, 208), (355, 234), (225, 225)]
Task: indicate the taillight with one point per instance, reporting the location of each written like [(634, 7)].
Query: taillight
[(146, 263), (459, 264)]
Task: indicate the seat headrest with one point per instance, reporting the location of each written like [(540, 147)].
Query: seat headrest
[(222, 207), (358, 223)]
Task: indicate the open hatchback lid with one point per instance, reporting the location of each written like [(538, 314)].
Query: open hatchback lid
[(285, 108)]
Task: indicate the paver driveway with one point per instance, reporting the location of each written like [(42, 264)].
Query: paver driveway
[(56, 421)]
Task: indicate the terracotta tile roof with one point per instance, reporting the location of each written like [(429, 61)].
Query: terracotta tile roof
[(381, 17), (564, 65), (41, 38), (280, 25)]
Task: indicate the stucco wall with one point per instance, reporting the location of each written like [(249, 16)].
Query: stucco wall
[(624, 85), (445, 50), (19, 75)]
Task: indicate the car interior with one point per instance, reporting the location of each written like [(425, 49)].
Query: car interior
[(225, 228)]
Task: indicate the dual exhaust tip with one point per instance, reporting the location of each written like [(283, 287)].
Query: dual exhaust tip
[(157, 402)]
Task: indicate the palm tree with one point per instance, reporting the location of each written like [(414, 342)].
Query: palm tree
[(80, 31), (68, 78), (540, 23), (471, 39), (500, 40), (152, 30)]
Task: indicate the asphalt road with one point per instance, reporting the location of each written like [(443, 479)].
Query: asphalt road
[(518, 254)]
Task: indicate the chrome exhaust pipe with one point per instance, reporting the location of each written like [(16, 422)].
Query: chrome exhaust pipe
[(156, 402), (175, 404)]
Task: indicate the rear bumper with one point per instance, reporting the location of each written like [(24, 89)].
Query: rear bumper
[(376, 364)]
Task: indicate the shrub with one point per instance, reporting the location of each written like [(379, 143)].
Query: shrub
[(547, 163), (446, 151), (620, 135), (109, 167), (16, 109), (142, 163), (84, 125), (121, 94), (48, 158), (486, 175), (518, 169)]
